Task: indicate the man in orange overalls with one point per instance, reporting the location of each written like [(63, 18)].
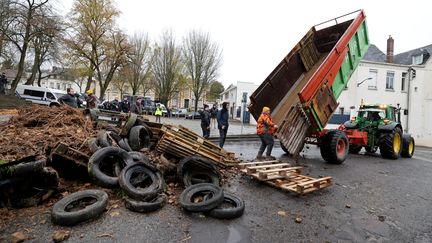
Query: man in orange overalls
[(265, 130)]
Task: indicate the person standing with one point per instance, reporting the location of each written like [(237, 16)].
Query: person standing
[(158, 113), (91, 99), (265, 130), (70, 98), (222, 119), (115, 105), (205, 121), (3, 83), (124, 105), (213, 113), (137, 107)]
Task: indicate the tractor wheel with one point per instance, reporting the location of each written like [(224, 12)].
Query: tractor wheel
[(334, 147), (354, 149), (371, 150), (408, 146), (391, 144)]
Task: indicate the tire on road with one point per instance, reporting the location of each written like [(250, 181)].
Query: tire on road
[(156, 186), (145, 206), (390, 144), (408, 146), (192, 177), (97, 159), (202, 189), (334, 147), (229, 213), (61, 214), (139, 138), (196, 163)]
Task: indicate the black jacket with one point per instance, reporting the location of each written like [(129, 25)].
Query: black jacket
[(70, 100), (222, 118), (205, 118)]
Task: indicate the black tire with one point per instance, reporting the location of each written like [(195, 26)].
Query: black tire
[(145, 207), (60, 216), (334, 147), (354, 149), (156, 187), (212, 202), (129, 124), (408, 146), (371, 150), (229, 213), (98, 157), (388, 144), (103, 139), (124, 144), (196, 163), (192, 177), (138, 156), (139, 138), (93, 145), (23, 169)]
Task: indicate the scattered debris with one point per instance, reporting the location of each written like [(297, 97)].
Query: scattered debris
[(105, 235), (61, 235), (298, 220), (381, 218), (348, 206), (18, 237), (281, 213)]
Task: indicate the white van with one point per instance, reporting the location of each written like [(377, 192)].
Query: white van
[(40, 95)]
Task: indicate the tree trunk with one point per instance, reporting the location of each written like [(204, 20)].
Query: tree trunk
[(39, 77), (196, 103), (36, 64)]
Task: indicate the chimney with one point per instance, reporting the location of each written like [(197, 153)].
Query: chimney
[(390, 49)]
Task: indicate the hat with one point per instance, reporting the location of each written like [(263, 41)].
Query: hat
[(205, 106), (89, 91), (265, 109)]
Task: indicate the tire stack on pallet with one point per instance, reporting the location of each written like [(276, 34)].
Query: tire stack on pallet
[(182, 142), (284, 176)]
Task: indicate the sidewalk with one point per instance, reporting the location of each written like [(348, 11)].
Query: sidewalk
[(235, 127)]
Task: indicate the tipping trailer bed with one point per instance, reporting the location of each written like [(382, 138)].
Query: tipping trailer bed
[(302, 90)]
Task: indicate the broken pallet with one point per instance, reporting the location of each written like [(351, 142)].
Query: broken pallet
[(284, 176)]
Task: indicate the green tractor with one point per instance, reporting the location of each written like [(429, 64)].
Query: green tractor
[(378, 126)]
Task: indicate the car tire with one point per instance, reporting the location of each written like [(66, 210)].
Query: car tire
[(124, 144), (129, 124), (139, 138), (192, 177), (156, 187), (229, 213), (98, 157), (196, 163), (103, 139), (145, 206), (186, 197), (60, 216), (93, 145)]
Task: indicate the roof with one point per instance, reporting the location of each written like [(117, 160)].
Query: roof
[(231, 87), (405, 58)]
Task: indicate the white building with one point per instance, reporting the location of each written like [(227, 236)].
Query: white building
[(234, 95), (404, 79)]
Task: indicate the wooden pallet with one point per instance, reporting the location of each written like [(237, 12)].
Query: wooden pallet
[(284, 176)]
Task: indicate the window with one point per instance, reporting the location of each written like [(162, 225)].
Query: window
[(58, 86), (404, 81), (34, 93), (372, 83), (416, 60), (51, 85), (50, 96), (390, 81)]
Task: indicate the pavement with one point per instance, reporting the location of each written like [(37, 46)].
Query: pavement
[(372, 200)]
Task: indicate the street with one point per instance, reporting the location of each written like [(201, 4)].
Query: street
[(371, 200)]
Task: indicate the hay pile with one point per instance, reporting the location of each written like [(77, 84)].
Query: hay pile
[(37, 129)]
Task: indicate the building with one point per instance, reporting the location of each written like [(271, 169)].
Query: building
[(237, 97), (403, 80)]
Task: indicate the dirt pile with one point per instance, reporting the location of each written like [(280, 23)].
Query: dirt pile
[(37, 129)]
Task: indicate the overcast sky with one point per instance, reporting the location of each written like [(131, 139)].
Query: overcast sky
[(256, 35)]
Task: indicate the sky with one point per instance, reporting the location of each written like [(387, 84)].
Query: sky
[(256, 35)]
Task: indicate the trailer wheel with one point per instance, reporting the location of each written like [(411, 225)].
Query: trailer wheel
[(408, 146), (354, 149), (391, 144), (334, 147)]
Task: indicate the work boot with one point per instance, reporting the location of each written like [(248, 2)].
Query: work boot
[(269, 157), (259, 157)]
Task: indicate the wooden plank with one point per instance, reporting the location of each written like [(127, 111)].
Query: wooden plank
[(263, 175), (253, 169)]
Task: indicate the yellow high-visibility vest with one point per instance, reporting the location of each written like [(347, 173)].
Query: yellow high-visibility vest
[(158, 112)]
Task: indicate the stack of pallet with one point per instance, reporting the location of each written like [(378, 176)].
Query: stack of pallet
[(182, 142), (284, 176)]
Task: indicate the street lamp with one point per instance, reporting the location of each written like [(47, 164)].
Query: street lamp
[(358, 84)]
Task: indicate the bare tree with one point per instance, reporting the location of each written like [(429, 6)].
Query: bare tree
[(167, 67), (6, 17), (21, 31), (119, 81), (139, 61), (202, 60)]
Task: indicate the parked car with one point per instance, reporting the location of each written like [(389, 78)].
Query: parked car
[(40, 95), (193, 115), (179, 113)]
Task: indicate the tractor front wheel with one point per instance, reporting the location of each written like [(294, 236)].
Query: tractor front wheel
[(334, 147), (408, 146), (391, 144)]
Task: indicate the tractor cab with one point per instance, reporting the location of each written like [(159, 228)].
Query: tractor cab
[(374, 116)]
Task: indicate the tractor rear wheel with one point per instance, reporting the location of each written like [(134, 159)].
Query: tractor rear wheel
[(408, 146), (354, 149), (334, 147), (391, 144)]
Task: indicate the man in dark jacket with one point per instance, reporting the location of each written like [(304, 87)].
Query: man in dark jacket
[(69, 99), (137, 107), (124, 105), (222, 119), (205, 121)]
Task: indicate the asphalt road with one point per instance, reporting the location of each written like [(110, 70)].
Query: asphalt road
[(390, 201)]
